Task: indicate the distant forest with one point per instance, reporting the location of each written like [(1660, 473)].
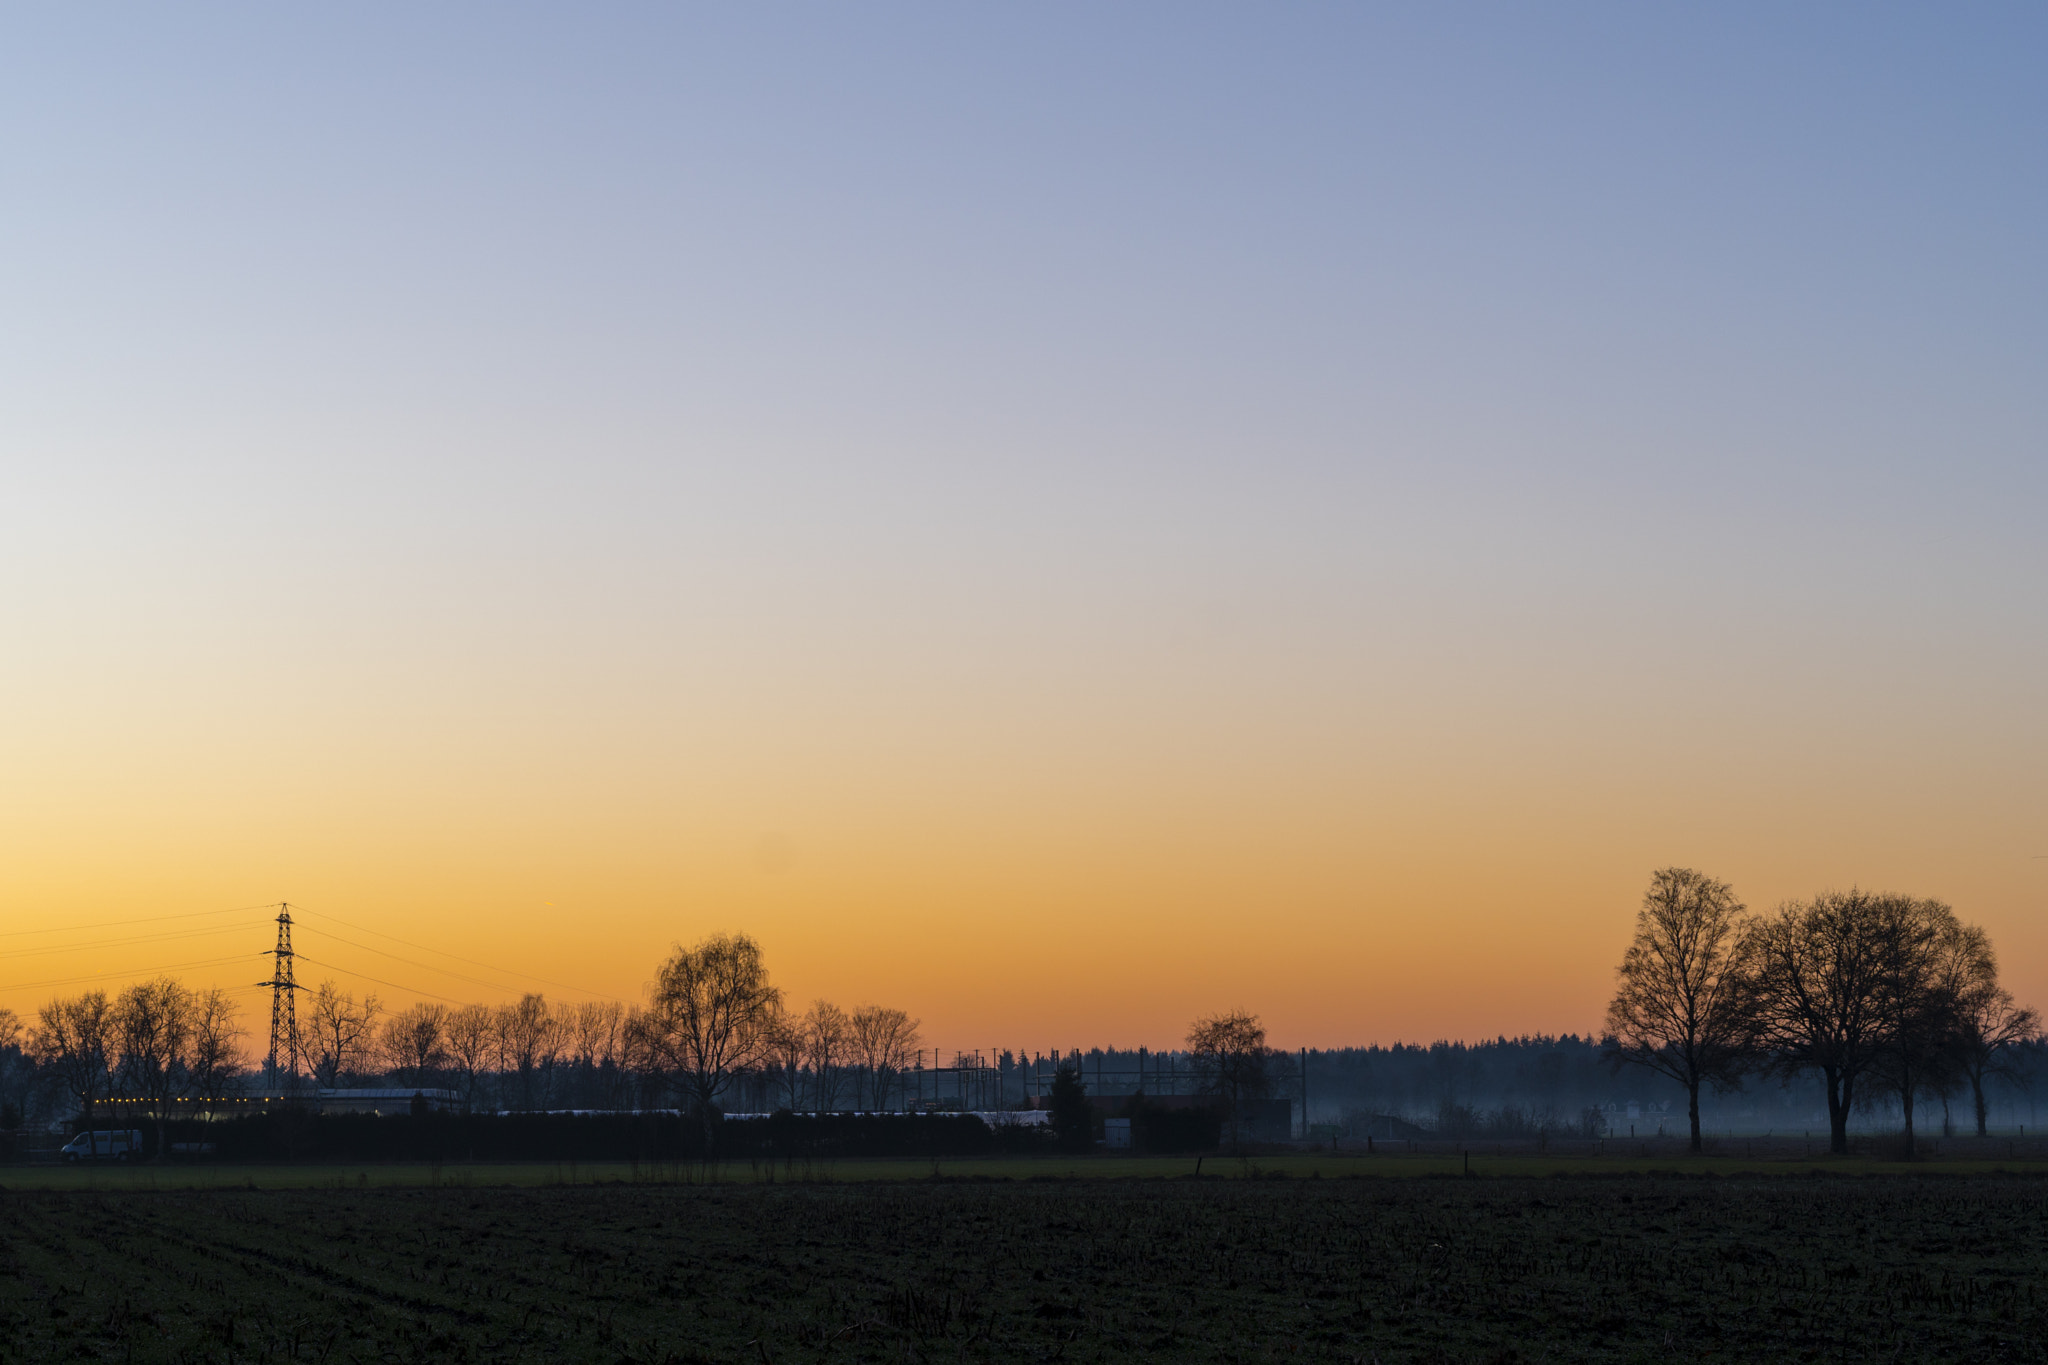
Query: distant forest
[(1520, 1087)]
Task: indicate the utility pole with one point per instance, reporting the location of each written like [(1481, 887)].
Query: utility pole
[(284, 1010)]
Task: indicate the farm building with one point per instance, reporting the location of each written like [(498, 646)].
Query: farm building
[(393, 1100)]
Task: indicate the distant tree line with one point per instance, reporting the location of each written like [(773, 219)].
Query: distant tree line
[(1880, 999)]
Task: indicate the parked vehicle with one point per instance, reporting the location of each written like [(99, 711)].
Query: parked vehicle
[(104, 1144)]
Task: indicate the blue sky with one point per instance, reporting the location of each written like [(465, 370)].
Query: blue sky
[(1317, 389)]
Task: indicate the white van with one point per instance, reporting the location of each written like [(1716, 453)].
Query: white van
[(117, 1144)]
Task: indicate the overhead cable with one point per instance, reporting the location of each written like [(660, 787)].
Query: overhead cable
[(129, 971), (47, 949), (410, 990), (503, 971), (147, 919)]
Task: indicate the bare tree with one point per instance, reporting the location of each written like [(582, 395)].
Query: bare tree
[(1228, 1052), (471, 1037), (1988, 1027), (1678, 1007), (556, 1038), (214, 1062), (710, 1017), (153, 1031), (826, 1037), (590, 1039), (1823, 984), (17, 1071), (785, 1048), (343, 1032), (881, 1040), (595, 1026), (74, 1039), (642, 1075), (414, 1041), (1931, 960), (530, 1039)]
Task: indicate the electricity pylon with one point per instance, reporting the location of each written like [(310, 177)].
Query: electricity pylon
[(284, 1010)]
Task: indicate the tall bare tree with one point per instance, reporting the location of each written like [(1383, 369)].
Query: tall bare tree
[(1989, 1025), (153, 1032), (214, 1062), (414, 1041), (1677, 1009), (595, 1026), (710, 1017), (472, 1036), (881, 1040), (342, 1031), (1229, 1054), (531, 1035), (74, 1040), (1823, 989), (1931, 960), (827, 1037), (785, 1050)]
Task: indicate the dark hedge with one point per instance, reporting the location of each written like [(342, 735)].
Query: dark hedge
[(289, 1135)]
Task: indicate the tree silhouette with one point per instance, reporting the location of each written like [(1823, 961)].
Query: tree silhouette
[(153, 1030), (882, 1040), (74, 1040), (344, 1032), (415, 1041), (1229, 1054), (1990, 1026), (470, 1034), (1827, 984), (1073, 1122), (1678, 1007), (711, 1016)]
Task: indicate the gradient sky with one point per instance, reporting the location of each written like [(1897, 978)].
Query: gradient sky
[(1057, 518)]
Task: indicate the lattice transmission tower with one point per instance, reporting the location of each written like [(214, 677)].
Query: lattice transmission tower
[(284, 1010)]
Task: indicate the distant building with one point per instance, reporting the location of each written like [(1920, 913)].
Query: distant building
[(393, 1100)]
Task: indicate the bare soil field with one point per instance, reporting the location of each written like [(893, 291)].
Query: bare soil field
[(1445, 1269)]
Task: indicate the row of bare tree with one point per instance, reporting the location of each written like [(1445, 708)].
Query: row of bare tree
[(529, 1041), (711, 1016), (155, 1041), (1875, 993)]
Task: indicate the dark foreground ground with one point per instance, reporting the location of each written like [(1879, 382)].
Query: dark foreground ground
[(1618, 1269)]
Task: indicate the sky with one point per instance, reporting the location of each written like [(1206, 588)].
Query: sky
[(1061, 518)]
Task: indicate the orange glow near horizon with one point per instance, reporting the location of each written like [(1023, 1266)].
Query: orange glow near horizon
[(1025, 900)]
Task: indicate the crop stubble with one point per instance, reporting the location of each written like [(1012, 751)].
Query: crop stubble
[(1433, 1270)]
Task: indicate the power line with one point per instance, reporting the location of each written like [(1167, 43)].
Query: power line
[(147, 919), (423, 966), (438, 971), (410, 990), (123, 942), (96, 976), (222, 961), (502, 971)]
